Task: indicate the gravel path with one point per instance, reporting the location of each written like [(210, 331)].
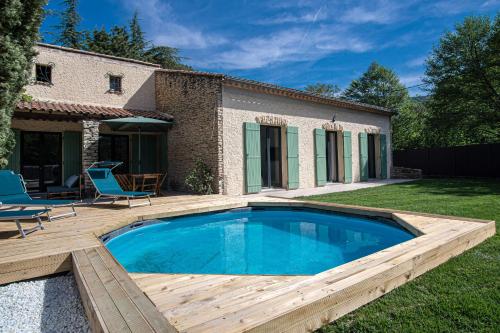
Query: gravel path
[(45, 305)]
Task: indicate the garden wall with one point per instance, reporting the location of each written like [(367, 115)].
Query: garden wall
[(481, 160)]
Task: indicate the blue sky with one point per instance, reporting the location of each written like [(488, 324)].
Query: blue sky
[(291, 43)]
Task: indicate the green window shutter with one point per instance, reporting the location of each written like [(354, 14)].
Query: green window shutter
[(363, 156), (72, 154), (14, 159), (252, 158), (347, 157), (163, 153), (292, 148), (320, 156), (134, 153), (383, 156)]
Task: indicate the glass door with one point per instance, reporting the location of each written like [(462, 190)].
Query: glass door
[(270, 150), (41, 160), (115, 148), (371, 156), (332, 157)]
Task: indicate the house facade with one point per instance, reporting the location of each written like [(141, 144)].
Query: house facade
[(60, 131), (257, 136), (252, 135)]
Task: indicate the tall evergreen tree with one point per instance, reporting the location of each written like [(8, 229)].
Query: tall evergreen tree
[(378, 86), (137, 39), (19, 24), (166, 57), (69, 35), (119, 42), (97, 41)]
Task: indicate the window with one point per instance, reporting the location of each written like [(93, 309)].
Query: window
[(43, 73), (114, 148), (115, 84)]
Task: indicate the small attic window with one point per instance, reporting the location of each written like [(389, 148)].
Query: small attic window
[(115, 84), (43, 73)]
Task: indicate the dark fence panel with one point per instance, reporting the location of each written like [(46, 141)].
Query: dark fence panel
[(464, 161)]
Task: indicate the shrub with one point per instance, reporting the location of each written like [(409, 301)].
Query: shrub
[(200, 178)]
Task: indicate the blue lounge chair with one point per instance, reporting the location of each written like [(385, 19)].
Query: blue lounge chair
[(13, 193), (106, 184), (25, 216)]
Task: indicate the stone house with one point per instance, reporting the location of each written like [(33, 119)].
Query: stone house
[(252, 135)]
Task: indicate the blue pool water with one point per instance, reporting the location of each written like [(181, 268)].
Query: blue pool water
[(253, 241)]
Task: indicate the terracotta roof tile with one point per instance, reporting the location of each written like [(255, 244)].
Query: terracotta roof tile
[(89, 110)]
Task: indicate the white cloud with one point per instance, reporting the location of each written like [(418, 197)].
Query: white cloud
[(380, 12), (416, 62), (288, 46), (490, 3), (411, 79), (309, 17), (163, 28)]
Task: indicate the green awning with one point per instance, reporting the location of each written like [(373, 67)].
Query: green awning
[(140, 124), (137, 124)]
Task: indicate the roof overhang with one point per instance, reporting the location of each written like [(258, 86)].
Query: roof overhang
[(60, 111), (271, 89)]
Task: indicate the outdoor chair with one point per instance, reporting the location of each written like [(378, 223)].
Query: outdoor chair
[(72, 188), (106, 185), (124, 181), (25, 216), (163, 177), (13, 193), (150, 183)]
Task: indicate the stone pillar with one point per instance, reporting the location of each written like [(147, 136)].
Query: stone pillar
[(90, 145)]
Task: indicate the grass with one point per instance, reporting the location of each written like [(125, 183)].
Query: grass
[(462, 295)]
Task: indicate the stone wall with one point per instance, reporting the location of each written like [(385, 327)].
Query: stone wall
[(195, 102), (90, 146), (406, 173)]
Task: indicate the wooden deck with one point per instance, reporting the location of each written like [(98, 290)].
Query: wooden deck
[(224, 303), (48, 251), (112, 301)]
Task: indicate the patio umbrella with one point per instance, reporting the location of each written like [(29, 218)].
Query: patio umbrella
[(137, 124)]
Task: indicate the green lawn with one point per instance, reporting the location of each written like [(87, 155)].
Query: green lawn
[(462, 295)]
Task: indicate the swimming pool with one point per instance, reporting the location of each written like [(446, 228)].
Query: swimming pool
[(264, 241)]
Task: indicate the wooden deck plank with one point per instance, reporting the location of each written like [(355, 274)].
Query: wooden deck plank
[(134, 319), (24, 258), (94, 292), (144, 305), (224, 303), (112, 301)]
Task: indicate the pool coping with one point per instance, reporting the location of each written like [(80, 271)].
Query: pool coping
[(299, 313)]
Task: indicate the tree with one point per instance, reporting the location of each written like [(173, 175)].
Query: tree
[(377, 86), (137, 39), (115, 43), (19, 23), (463, 73), (166, 57), (97, 41), (324, 89), (119, 42), (409, 126), (69, 35)]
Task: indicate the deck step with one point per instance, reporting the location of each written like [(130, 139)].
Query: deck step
[(112, 301)]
